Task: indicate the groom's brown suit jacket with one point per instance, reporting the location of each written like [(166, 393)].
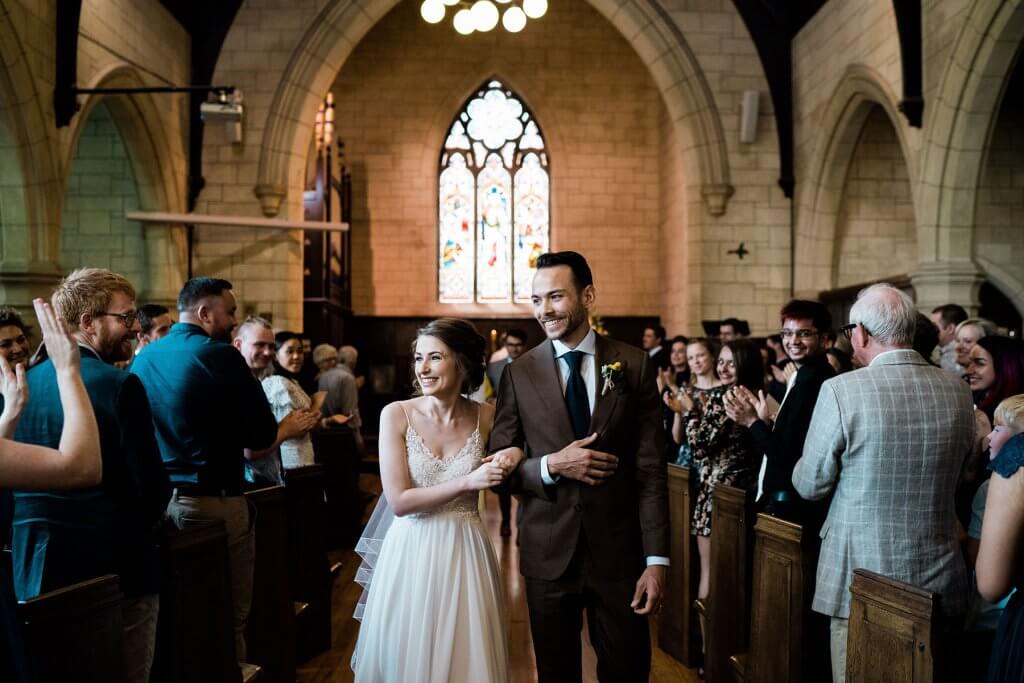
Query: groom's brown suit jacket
[(624, 519)]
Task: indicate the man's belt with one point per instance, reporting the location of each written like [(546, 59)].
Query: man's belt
[(195, 490)]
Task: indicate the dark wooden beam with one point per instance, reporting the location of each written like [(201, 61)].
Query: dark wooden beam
[(65, 104), (908, 25)]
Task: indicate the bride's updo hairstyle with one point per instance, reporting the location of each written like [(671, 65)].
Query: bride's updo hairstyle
[(465, 343)]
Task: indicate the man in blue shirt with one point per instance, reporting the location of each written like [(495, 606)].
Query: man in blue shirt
[(208, 408)]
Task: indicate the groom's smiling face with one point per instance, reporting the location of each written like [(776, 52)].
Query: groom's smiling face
[(559, 306)]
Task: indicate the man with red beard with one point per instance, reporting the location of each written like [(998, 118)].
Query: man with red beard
[(63, 537)]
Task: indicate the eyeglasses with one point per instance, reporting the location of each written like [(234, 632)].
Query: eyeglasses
[(127, 319), (799, 334), (847, 330)]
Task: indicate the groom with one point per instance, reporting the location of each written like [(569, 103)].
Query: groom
[(594, 529)]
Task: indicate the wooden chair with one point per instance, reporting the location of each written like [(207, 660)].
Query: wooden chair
[(195, 639), (270, 630), (309, 571), (782, 626), (893, 632), (678, 629), (728, 606), (74, 633)]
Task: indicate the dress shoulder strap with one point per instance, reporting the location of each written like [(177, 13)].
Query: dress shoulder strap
[(408, 422)]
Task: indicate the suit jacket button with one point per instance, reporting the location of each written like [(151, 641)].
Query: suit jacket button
[(577, 507)]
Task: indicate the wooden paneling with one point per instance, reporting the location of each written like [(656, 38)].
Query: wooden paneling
[(309, 571), (74, 633), (678, 628), (891, 631), (728, 610)]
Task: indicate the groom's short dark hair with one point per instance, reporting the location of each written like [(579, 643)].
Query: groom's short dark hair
[(580, 270)]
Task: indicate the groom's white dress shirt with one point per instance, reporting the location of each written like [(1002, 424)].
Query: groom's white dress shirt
[(589, 349)]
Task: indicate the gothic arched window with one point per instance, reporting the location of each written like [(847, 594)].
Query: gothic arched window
[(494, 201)]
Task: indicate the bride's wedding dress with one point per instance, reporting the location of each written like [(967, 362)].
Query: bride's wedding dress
[(434, 610)]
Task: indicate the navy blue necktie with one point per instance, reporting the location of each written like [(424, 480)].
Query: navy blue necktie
[(576, 396)]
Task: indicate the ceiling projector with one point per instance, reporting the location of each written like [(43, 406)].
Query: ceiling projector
[(226, 111)]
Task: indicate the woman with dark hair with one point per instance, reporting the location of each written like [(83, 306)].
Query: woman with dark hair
[(995, 369), (722, 450), (434, 610), (13, 340)]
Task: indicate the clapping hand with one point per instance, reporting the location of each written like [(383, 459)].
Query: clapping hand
[(679, 402), (298, 423), (666, 379), (745, 409), (14, 388)]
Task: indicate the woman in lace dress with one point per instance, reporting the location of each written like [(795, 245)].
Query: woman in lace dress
[(434, 611)]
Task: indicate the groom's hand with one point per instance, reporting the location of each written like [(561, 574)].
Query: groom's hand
[(578, 462), (651, 583)]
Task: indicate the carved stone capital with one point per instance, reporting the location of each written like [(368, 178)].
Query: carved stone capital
[(270, 196), (938, 282), (716, 197)]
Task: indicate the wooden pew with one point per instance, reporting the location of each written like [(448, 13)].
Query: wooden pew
[(782, 625), (309, 570), (195, 638), (339, 454), (74, 633), (270, 630), (678, 628), (728, 606), (893, 632)]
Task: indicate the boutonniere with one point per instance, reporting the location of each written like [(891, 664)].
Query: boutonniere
[(612, 374)]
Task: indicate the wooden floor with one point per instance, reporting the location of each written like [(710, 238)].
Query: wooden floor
[(333, 666)]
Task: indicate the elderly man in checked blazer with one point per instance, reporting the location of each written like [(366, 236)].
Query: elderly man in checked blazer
[(888, 440)]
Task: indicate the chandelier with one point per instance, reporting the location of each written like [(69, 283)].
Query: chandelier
[(483, 15)]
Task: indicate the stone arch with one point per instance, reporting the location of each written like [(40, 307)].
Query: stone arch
[(858, 93), (139, 122), (29, 179), (1006, 282), (339, 27), (963, 114)]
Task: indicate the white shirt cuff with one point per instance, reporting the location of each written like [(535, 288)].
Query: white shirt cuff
[(657, 560), (544, 474)]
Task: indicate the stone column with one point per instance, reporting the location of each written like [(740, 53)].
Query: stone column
[(937, 283)]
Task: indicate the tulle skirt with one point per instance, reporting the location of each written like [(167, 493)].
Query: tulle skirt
[(434, 609)]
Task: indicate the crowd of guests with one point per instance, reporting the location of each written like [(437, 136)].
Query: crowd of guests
[(893, 467), (123, 420)]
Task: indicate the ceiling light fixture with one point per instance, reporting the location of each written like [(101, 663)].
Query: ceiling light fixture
[(484, 15)]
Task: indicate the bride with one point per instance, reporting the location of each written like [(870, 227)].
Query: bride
[(434, 610)]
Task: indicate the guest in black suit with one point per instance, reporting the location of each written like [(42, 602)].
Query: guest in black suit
[(804, 325), (653, 343), (63, 537)]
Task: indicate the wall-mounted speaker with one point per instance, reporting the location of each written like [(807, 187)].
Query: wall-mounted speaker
[(748, 117)]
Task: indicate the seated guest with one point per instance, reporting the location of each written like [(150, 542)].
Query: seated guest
[(873, 433), (349, 356), (254, 339), (999, 569), (677, 374), (946, 318), (286, 396), (780, 437), (208, 408), (74, 464), (652, 342), (732, 329), (13, 340), (63, 537), (155, 322), (325, 357)]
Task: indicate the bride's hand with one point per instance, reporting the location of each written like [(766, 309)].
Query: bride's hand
[(508, 459), (488, 475)]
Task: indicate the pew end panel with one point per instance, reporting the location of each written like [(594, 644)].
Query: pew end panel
[(270, 630), (678, 628), (82, 620), (891, 631), (728, 612)]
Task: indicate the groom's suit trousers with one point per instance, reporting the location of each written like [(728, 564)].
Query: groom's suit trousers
[(620, 638)]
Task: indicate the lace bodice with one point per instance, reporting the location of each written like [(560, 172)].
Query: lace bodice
[(427, 469)]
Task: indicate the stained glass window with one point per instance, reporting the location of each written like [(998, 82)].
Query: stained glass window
[(494, 201)]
